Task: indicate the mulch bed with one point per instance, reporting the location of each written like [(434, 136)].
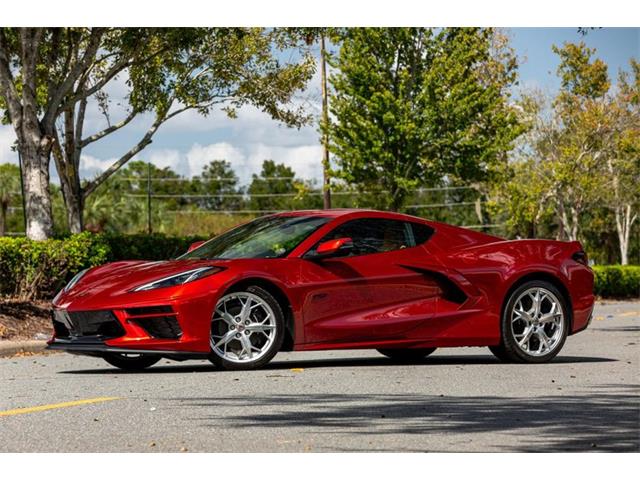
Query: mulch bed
[(20, 320)]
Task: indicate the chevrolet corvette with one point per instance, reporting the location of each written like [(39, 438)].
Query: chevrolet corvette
[(330, 279)]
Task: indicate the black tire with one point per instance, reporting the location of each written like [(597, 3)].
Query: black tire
[(407, 355), (275, 346), (129, 362), (508, 350)]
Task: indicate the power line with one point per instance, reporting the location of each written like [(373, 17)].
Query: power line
[(433, 205)]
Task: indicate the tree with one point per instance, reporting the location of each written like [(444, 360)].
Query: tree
[(219, 180), (623, 158), (578, 169), (9, 186), (275, 189), (49, 75), (120, 203), (414, 106)]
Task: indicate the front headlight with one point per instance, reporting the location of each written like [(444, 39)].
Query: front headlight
[(76, 278), (179, 279)]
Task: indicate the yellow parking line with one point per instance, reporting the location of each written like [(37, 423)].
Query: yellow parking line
[(41, 408)]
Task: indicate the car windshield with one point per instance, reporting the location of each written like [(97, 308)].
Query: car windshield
[(265, 237)]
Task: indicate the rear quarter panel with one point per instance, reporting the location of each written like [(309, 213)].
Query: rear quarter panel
[(494, 268)]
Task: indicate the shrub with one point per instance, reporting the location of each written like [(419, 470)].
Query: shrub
[(617, 281), (30, 269), (147, 247)]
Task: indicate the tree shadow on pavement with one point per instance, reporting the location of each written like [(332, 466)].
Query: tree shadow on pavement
[(605, 419)]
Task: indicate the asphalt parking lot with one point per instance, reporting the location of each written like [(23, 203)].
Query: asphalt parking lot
[(456, 400)]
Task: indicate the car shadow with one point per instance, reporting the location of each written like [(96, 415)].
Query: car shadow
[(603, 419), (338, 363)]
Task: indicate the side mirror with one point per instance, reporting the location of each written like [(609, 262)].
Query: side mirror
[(339, 247), (195, 245)]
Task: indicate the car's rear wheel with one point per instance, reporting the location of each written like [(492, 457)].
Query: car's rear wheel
[(131, 361), (247, 329), (406, 354), (535, 323)]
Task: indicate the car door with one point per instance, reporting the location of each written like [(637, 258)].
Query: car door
[(373, 294)]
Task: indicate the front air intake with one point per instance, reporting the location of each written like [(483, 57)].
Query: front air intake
[(159, 321), (160, 327)]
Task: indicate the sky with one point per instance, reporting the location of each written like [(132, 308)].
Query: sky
[(189, 141)]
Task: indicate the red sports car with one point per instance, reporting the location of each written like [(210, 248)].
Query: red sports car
[(330, 279)]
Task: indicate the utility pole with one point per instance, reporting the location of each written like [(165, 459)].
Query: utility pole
[(326, 180), (149, 198)]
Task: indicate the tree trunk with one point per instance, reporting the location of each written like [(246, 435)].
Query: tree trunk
[(34, 136), (68, 166), (71, 193), (74, 206), (624, 222), (37, 197)]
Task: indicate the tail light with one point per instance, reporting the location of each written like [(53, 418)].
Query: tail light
[(581, 257)]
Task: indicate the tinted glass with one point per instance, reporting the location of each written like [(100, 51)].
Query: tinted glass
[(374, 235), (266, 237), (421, 232)]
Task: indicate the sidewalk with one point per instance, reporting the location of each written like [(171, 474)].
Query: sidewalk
[(12, 347)]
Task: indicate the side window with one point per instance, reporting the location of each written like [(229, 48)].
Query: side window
[(374, 235), (421, 232)]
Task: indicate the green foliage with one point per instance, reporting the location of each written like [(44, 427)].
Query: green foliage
[(413, 106), (167, 70), (617, 281), (31, 269), (576, 175), (147, 247), (38, 269), (276, 189), (218, 179), (580, 75)]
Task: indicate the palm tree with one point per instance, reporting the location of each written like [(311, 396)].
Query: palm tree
[(9, 186)]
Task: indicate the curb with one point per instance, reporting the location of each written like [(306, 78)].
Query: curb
[(9, 347)]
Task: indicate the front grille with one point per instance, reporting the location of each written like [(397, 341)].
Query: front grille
[(102, 323), (149, 310), (161, 326)]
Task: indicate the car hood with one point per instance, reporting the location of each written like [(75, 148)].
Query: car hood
[(114, 279)]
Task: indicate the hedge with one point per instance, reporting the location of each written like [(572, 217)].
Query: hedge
[(30, 269), (617, 281), (147, 247)]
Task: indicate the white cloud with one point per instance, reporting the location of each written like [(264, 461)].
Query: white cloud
[(199, 156), (305, 160), (167, 158), (91, 166), (245, 159)]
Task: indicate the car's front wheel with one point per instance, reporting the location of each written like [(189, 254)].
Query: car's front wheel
[(247, 329), (535, 324), (406, 354), (131, 361)]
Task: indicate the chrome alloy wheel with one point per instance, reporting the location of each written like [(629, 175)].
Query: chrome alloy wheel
[(243, 327), (537, 321)]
